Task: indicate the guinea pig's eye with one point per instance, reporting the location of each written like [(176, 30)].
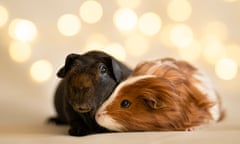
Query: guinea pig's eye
[(125, 104), (102, 68)]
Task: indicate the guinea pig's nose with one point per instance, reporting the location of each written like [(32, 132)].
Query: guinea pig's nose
[(82, 108), (98, 115)]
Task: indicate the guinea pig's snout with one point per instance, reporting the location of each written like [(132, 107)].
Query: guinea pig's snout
[(99, 115), (82, 108), (79, 100)]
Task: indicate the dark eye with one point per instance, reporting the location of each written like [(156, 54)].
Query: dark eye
[(102, 68), (125, 104)]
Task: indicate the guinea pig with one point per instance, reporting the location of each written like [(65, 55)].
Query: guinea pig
[(87, 81), (161, 95)]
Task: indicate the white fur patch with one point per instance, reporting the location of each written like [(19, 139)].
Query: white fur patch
[(106, 121), (206, 87), (158, 64), (170, 63)]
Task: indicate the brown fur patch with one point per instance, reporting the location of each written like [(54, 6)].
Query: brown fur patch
[(169, 101)]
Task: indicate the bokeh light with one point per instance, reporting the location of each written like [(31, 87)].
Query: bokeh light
[(94, 45), (116, 50), (19, 51), (150, 23), (216, 29), (226, 69), (136, 45), (213, 50), (181, 35), (98, 37), (129, 3), (41, 70), (96, 41), (91, 11), (233, 51), (179, 10), (3, 16), (165, 37), (125, 19), (69, 24), (191, 52), (230, 1), (22, 30)]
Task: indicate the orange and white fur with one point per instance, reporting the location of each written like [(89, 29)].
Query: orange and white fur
[(161, 95)]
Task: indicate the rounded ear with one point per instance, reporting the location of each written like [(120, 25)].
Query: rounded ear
[(120, 71), (68, 64), (152, 102), (116, 70), (61, 73)]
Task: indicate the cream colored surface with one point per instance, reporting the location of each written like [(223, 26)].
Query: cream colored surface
[(26, 125)]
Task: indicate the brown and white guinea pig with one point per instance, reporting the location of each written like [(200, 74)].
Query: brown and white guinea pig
[(161, 95), (87, 81)]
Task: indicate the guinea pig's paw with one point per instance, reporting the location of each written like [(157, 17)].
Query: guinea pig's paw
[(190, 129), (56, 121), (77, 131)]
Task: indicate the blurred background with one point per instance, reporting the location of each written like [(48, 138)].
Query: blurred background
[(37, 35)]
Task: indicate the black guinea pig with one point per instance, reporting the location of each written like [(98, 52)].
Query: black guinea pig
[(87, 81)]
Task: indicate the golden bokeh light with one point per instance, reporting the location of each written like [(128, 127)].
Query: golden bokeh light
[(116, 50), (22, 30), (165, 36), (226, 69), (3, 16), (136, 45), (216, 29), (98, 37), (41, 70), (150, 23), (230, 1), (233, 51), (96, 42), (179, 10), (213, 51), (91, 11), (181, 35), (129, 3), (69, 24), (19, 51), (191, 52), (125, 19), (90, 46)]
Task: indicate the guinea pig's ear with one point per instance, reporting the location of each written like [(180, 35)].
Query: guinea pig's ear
[(61, 72), (120, 71), (117, 72), (68, 63), (152, 102)]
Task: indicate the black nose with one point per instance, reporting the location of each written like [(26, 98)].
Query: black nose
[(82, 108)]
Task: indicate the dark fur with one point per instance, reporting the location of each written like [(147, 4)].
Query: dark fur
[(88, 80)]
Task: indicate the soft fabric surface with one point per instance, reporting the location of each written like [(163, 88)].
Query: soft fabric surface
[(22, 125)]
